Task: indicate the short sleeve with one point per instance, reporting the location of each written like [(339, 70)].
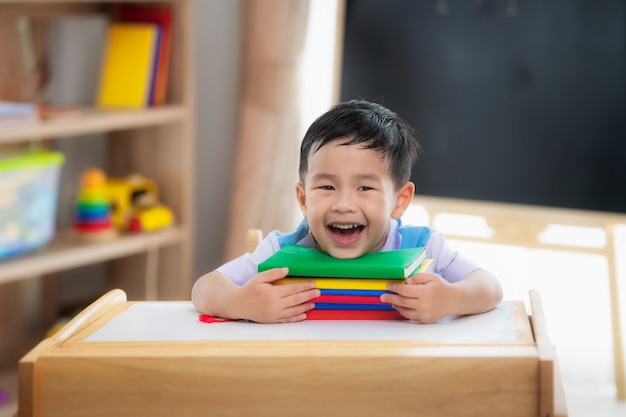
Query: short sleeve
[(244, 267), (452, 265)]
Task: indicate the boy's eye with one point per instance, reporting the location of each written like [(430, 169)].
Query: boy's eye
[(365, 188), (327, 187)]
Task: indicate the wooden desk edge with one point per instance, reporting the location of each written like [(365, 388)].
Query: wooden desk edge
[(551, 392), (98, 308), (26, 365), (560, 405)]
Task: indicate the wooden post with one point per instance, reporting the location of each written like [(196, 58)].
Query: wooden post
[(264, 196)]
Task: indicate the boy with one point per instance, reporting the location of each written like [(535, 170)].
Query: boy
[(355, 166)]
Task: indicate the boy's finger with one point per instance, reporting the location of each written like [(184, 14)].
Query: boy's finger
[(302, 295), (296, 288), (272, 275), (422, 278), (295, 313)]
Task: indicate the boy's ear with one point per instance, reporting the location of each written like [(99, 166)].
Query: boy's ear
[(403, 199), (301, 197)]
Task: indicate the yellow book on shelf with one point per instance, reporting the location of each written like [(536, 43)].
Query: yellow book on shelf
[(128, 65)]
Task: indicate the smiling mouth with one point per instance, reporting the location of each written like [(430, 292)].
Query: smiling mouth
[(346, 230)]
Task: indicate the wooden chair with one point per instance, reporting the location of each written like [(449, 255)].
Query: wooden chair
[(255, 236)]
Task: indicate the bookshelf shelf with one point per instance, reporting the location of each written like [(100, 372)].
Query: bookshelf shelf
[(65, 253), (93, 121), (157, 142)]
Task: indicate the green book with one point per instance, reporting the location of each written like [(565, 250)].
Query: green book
[(310, 262)]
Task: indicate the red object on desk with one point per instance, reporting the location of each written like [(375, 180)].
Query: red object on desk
[(205, 318)]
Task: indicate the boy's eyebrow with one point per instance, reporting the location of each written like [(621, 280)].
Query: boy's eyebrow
[(323, 176), (327, 176), (369, 176)]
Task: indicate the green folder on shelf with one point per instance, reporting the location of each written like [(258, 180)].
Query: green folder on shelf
[(310, 262)]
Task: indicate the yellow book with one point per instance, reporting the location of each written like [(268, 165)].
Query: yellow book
[(427, 265), (128, 65), (343, 283)]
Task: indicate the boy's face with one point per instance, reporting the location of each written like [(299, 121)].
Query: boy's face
[(348, 198)]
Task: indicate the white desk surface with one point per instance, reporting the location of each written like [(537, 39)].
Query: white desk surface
[(178, 321)]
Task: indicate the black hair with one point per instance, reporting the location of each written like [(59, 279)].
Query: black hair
[(371, 125)]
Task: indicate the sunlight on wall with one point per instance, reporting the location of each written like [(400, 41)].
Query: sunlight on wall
[(318, 65)]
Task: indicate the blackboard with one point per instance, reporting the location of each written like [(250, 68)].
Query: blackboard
[(513, 101)]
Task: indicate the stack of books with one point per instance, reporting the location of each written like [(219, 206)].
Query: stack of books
[(350, 288)]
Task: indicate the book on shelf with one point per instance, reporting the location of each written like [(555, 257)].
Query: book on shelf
[(128, 65), (310, 262), (23, 56), (73, 40), (13, 113), (161, 16)]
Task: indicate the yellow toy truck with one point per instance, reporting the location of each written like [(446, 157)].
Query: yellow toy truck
[(135, 204)]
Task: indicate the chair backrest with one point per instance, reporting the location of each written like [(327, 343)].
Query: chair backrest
[(254, 238)]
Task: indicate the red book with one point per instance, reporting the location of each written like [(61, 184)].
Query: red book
[(354, 315), (161, 16)]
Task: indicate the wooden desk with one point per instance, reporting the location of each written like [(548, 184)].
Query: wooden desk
[(120, 358)]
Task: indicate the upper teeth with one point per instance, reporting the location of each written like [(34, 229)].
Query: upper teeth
[(345, 226)]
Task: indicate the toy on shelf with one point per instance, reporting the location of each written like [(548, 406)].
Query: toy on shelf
[(106, 206), (135, 204), (29, 184), (93, 214)]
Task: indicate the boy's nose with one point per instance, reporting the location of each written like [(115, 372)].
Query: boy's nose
[(344, 203)]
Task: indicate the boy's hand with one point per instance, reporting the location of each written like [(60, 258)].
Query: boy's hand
[(426, 297), (263, 302)]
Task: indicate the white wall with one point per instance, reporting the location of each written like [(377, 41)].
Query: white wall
[(218, 61)]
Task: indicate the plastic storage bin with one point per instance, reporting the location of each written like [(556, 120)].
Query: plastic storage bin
[(29, 183)]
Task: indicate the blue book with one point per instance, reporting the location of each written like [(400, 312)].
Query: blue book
[(333, 306)]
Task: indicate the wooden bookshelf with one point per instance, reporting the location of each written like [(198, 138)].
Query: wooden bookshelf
[(158, 142)]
